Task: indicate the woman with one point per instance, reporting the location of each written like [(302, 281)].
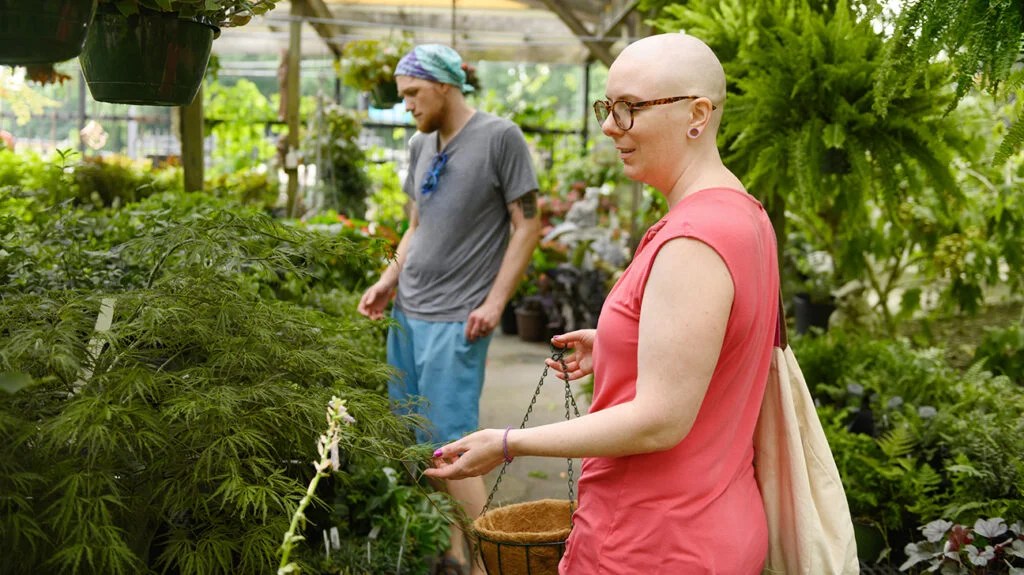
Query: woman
[(682, 350)]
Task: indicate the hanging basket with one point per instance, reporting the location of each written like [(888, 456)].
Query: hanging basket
[(43, 31), (385, 95), (524, 538), (528, 538), (151, 58)]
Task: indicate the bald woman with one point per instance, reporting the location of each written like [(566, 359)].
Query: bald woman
[(681, 353)]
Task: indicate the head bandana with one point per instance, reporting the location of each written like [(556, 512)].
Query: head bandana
[(434, 62)]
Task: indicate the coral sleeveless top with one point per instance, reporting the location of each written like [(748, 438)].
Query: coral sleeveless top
[(695, 508)]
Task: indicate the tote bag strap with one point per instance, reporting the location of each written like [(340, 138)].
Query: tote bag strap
[(781, 337)]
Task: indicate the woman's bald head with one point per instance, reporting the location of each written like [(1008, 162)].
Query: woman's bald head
[(670, 65)]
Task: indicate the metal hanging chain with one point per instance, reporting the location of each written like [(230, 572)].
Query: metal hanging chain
[(557, 354)]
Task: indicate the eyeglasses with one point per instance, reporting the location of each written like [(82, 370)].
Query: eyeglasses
[(437, 164), (621, 109)]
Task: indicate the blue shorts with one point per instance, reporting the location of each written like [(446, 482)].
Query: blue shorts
[(437, 364)]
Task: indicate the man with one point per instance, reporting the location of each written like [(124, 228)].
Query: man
[(470, 175)]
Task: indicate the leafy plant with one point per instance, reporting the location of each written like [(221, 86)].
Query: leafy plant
[(333, 144), (982, 39), (116, 180), (913, 438), (44, 74), (801, 131), (367, 63), (387, 202), (989, 548), (24, 101), (379, 519), (223, 13), (237, 117), (1002, 351), (162, 437)]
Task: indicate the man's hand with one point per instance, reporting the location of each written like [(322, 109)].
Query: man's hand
[(375, 300), (482, 321)]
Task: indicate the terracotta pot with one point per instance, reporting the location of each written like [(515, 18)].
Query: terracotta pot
[(531, 324)]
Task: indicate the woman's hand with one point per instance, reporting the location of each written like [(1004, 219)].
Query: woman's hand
[(581, 361), (473, 455)]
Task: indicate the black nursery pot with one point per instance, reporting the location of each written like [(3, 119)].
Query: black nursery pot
[(810, 313), (151, 58), (43, 31), (385, 95)]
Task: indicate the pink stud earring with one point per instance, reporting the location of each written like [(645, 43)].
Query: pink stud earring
[(693, 133)]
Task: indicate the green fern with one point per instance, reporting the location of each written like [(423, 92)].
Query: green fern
[(983, 41)]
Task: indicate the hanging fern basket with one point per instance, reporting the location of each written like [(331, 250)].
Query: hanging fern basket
[(150, 58), (43, 31)]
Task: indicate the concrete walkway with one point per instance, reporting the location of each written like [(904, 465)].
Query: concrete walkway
[(513, 369)]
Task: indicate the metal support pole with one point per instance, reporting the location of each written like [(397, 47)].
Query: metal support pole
[(82, 95), (585, 128), (337, 81), (291, 160), (192, 155)]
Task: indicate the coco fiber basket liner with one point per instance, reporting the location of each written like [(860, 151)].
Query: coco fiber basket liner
[(524, 538)]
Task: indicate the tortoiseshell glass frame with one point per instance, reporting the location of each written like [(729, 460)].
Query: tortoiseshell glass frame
[(604, 108)]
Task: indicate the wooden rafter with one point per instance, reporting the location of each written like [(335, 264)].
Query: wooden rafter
[(317, 9), (618, 18), (599, 49)]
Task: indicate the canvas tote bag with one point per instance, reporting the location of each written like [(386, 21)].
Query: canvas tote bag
[(810, 531)]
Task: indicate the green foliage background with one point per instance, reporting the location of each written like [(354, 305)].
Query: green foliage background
[(179, 440), (890, 197)]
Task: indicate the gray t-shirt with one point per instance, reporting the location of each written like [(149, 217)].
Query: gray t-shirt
[(463, 230)]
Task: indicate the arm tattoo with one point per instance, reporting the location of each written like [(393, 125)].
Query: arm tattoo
[(528, 203)]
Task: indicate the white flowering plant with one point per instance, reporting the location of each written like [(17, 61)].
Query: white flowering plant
[(327, 449), (991, 547)]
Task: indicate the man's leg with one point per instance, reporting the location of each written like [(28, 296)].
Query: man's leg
[(403, 386), (471, 495), (451, 379)]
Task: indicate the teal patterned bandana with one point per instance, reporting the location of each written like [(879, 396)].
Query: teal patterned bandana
[(434, 62)]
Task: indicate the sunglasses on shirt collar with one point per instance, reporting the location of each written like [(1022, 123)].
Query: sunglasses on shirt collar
[(437, 163)]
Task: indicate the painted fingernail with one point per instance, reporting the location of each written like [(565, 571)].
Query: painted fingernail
[(437, 453)]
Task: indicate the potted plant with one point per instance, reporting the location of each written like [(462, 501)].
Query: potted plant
[(155, 52), (813, 277), (43, 31), (369, 66)]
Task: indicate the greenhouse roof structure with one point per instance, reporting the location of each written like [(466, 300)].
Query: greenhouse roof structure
[(553, 31)]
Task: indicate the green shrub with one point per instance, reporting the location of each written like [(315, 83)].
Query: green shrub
[(1002, 351), (179, 439), (385, 522), (114, 181), (915, 439)]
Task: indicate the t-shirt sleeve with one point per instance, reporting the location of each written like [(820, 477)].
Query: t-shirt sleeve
[(515, 165), (409, 185)]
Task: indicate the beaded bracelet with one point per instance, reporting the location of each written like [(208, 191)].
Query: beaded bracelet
[(504, 445)]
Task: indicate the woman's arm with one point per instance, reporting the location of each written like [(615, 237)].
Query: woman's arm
[(686, 306)]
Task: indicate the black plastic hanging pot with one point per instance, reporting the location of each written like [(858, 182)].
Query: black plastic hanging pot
[(43, 31), (150, 58), (385, 95)]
